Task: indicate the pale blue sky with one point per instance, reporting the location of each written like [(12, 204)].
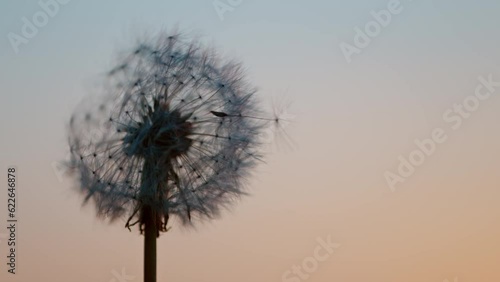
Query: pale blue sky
[(293, 42)]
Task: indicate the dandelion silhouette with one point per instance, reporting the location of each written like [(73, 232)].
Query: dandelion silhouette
[(175, 136)]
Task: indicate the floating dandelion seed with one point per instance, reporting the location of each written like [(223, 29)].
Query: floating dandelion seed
[(175, 137)]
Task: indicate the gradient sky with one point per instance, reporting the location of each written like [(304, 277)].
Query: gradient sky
[(352, 121)]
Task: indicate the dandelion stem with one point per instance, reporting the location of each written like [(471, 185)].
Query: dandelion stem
[(150, 234)]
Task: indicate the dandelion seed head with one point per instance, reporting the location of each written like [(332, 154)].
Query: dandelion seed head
[(176, 130)]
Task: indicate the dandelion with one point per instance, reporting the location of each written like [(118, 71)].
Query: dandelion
[(175, 136)]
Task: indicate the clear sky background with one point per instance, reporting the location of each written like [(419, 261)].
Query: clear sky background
[(352, 121)]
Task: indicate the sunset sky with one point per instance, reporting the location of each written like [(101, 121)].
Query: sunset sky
[(351, 123)]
